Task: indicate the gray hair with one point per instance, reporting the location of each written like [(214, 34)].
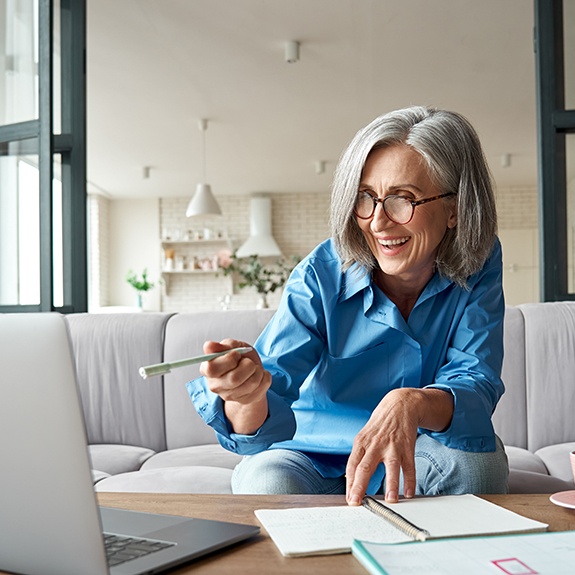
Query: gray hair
[(456, 162)]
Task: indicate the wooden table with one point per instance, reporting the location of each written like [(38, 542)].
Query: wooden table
[(260, 555)]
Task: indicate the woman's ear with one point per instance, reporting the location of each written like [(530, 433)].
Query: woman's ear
[(452, 218), (451, 213)]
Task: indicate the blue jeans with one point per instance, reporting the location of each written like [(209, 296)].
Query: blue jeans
[(440, 470)]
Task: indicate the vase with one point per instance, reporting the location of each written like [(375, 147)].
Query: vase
[(263, 301), (139, 302)]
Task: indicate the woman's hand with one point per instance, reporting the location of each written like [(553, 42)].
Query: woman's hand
[(242, 383), (389, 436)]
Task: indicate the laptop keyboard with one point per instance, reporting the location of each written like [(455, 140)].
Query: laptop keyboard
[(120, 549)]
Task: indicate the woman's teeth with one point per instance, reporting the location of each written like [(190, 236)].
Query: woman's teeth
[(391, 243)]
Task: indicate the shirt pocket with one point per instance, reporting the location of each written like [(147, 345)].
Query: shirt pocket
[(359, 380)]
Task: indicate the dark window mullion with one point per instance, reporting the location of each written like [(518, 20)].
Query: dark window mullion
[(551, 149), (73, 34), (45, 148), (20, 131)]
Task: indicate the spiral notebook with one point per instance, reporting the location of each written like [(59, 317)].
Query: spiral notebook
[(329, 530)]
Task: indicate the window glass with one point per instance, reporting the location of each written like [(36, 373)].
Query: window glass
[(569, 52), (57, 236), (56, 71), (18, 61), (20, 228)]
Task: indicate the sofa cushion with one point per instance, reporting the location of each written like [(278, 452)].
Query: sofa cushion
[(550, 365), (556, 459), (524, 460), (120, 407), (529, 482), (510, 417), (98, 475), (185, 337), (212, 455), (114, 459), (197, 479)]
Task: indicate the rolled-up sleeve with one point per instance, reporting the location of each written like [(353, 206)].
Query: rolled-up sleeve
[(289, 348), (472, 373), (279, 425)]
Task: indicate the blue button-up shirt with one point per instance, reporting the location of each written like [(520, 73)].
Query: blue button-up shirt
[(337, 345)]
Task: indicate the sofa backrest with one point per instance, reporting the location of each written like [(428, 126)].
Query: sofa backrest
[(510, 417), (550, 372), (119, 406), (185, 337), (538, 407)]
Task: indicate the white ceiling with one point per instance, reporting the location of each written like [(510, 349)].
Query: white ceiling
[(155, 67)]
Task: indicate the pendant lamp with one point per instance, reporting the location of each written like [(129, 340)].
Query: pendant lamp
[(203, 202)]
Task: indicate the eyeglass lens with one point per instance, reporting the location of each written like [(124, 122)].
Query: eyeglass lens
[(396, 208)]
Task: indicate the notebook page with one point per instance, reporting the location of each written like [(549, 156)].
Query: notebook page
[(460, 515), (325, 530)]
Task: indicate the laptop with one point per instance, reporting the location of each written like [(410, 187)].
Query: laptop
[(50, 522)]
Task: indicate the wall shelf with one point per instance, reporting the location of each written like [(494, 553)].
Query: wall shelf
[(221, 241), (192, 255)]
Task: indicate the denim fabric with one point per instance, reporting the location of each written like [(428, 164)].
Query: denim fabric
[(440, 470)]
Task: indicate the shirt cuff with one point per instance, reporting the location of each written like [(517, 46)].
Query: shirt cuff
[(280, 424), (470, 428)]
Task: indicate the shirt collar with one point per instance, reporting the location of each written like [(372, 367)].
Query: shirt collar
[(356, 279)]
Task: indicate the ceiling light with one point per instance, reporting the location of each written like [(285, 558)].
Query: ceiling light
[(291, 51), (203, 202)]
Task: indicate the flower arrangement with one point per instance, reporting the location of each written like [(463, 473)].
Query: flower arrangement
[(252, 272), (139, 284)]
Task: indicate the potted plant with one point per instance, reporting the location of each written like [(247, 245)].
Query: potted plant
[(140, 284), (253, 272)]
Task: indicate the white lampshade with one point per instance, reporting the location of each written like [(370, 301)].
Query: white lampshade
[(203, 202)]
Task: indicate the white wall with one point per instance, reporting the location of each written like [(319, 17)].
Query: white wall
[(299, 223), (134, 229)]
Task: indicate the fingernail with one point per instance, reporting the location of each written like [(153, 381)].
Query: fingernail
[(391, 496), (354, 500)]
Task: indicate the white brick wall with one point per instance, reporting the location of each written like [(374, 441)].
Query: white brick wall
[(299, 223), (517, 210)]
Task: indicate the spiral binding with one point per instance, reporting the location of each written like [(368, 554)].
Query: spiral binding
[(413, 531)]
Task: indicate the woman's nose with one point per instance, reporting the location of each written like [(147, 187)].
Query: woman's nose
[(379, 220)]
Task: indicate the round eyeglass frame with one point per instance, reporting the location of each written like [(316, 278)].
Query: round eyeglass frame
[(413, 203)]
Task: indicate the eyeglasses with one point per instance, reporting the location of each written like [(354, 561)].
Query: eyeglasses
[(398, 209)]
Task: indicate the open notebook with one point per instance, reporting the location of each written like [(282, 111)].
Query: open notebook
[(328, 530), (49, 519)]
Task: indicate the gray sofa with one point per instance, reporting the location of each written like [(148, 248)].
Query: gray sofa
[(144, 435)]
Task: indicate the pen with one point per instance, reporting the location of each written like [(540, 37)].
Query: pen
[(163, 368)]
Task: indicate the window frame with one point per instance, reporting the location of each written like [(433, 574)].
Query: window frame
[(554, 122), (70, 145)]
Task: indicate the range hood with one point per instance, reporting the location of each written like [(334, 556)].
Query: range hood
[(261, 242)]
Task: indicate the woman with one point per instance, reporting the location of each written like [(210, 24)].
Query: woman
[(381, 368)]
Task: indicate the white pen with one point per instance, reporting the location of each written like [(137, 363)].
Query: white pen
[(163, 368)]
